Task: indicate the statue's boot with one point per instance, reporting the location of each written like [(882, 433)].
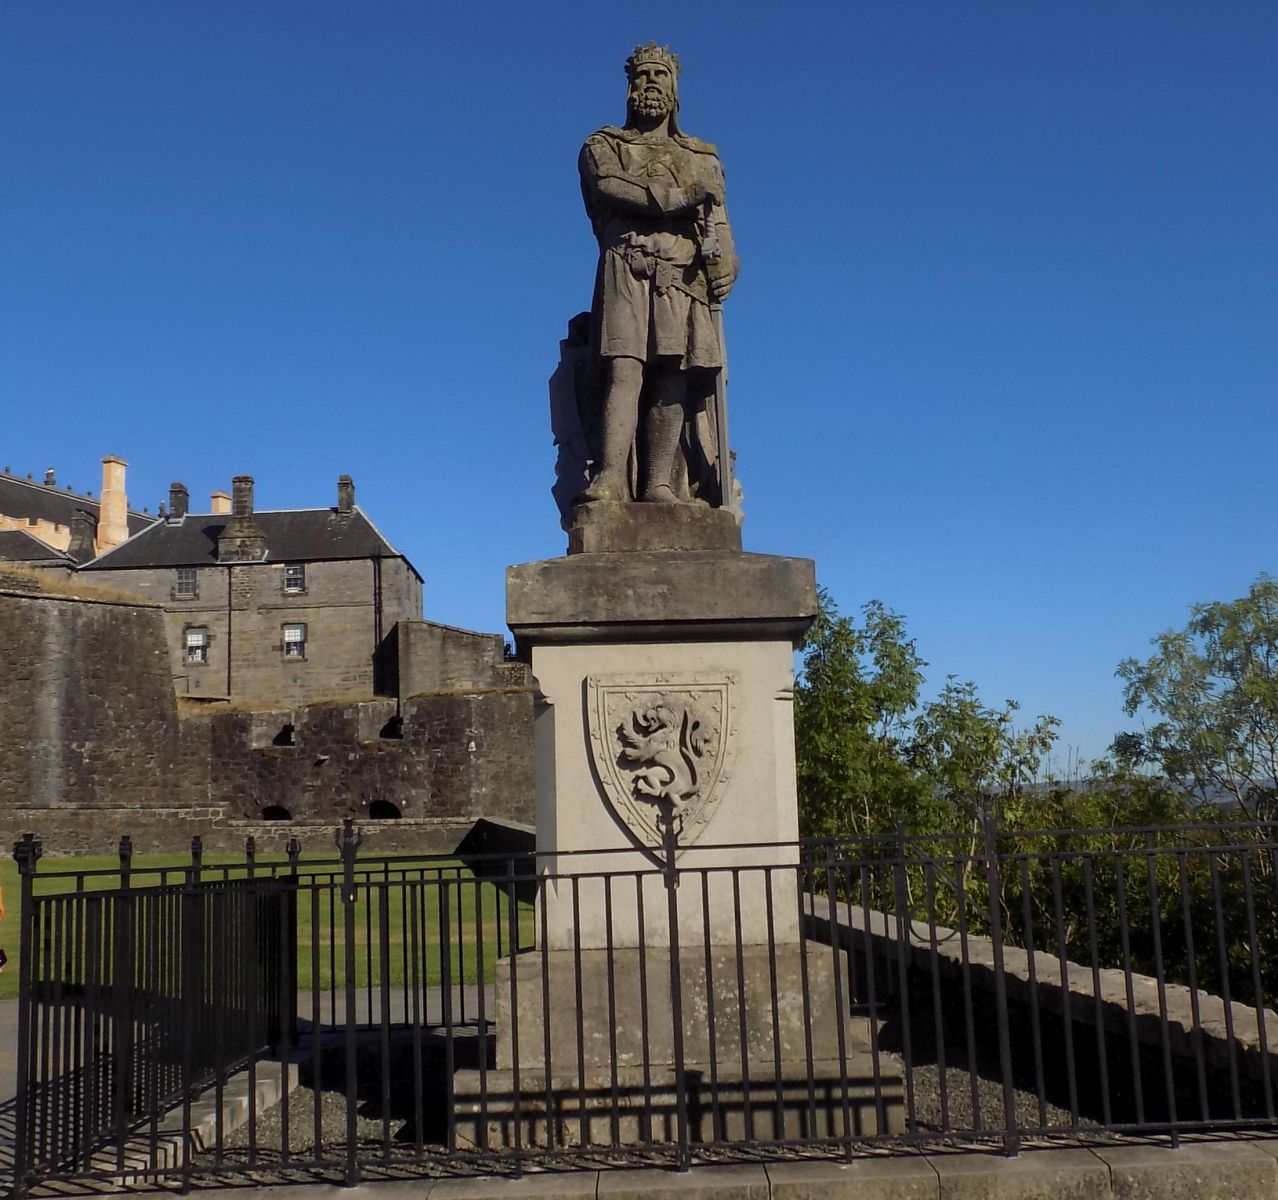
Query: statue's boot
[(605, 486), (665, 424)]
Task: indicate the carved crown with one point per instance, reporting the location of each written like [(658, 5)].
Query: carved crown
[(653, 53)]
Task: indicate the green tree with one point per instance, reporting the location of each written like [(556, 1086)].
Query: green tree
[(856, 691), (974, 755), (1213, 688), (869, 754)]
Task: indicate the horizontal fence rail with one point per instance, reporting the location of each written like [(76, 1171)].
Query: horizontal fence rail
[(345, 1016)]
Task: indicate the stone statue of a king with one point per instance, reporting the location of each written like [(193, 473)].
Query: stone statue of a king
[(655, 197)]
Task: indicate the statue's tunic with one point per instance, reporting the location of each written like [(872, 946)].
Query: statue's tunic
[(651, 296)]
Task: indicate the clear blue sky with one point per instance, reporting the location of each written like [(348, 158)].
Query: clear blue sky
[(1004, 349)]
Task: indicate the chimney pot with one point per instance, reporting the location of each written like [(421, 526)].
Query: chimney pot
[(220, 503), (49, 480), (345, 494)]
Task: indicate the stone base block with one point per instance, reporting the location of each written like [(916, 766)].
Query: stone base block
[(783, 1001), (605, 527), (629, 1107)]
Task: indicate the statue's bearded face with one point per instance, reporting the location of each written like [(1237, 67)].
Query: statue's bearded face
[(652, 90)]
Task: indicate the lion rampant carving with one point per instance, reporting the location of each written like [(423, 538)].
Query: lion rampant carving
[(663, 745)]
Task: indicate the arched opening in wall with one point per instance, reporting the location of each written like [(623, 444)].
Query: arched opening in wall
[(384, 810), (276, 812), (287, 736), (394, 728)]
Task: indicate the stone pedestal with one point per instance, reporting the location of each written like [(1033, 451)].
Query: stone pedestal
[(691, 653), (663, 661)]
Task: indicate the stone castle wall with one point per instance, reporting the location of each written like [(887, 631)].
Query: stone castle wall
[(92, 745)]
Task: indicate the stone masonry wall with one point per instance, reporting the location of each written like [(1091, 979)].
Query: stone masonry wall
[(92, 746), (453, 756), (88, 722)]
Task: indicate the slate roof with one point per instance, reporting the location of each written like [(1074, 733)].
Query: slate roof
[(25, 498), (292, 535), (17, 545)]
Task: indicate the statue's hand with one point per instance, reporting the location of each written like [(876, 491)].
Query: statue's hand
[(720, 285)]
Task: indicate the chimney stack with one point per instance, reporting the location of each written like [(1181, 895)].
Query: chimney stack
[(242, 496), (345, 495), (83, 527), (221, 503), (241, 540), (179, 501), (113, 507)]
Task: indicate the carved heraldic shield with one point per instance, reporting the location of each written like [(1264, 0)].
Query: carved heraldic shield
[(662, 741)]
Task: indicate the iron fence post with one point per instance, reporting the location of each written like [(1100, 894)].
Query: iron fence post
[(671, 870), (26, 853), (348, 843), (122, 1001), (1011, 1136)]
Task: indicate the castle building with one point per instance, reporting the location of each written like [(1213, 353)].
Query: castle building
[(272, 607), (60, 528)]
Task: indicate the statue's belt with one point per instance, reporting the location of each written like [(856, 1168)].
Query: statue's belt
[(683, 277)]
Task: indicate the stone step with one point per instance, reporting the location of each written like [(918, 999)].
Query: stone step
[(799, 1103)]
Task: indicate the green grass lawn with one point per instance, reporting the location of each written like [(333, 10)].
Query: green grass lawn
[(404, 924)]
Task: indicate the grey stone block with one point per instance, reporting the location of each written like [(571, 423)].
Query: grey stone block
[(665, 596), (570, 1183), (611, 527), (1034, 1175), (703, 1183), (902, 1178), (1230, 1170)]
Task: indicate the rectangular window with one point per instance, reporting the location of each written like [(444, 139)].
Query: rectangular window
[(185, 586), (295, 577), (295, 641), (197, 646)]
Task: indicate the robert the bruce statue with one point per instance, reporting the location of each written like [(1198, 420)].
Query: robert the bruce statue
[(655, 198)]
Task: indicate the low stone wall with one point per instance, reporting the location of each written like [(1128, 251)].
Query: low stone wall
[(1040, 975)]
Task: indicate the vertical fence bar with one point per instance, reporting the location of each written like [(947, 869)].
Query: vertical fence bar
[(1257, 992), (26, 853), (1124, 937), (1011, 1135), (122, 1006), (1156, 931), (348, 843), (684, 1151), (1098, 998), (901, 902), (1191, 970), (250, 952)]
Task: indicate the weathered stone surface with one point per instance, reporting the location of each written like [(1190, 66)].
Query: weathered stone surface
[(1202, 1171), (612, 527), (865, 1179), (651, 595), (561, 1183), (655, 199), (705, 1183), (92, 746), (615, 1026), (1035, 1175)]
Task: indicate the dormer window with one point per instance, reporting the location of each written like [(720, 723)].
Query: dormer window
[(186, 584), (295, 577)]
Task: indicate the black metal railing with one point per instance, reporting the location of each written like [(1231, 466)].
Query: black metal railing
[(348, 1016)]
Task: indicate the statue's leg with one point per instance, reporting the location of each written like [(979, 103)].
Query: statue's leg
[(665, 425), (620, 420)]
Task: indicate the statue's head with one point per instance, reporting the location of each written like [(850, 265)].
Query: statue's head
[(653, 73)]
